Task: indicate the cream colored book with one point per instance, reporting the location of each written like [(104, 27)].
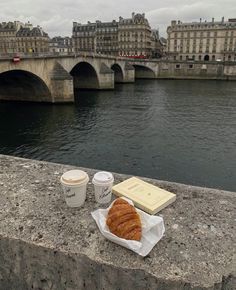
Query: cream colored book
[(145, 196)]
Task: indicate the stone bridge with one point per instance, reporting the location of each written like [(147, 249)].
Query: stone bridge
[(50, 78), (54, 78)]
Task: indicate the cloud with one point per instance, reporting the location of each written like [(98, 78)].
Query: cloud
[(56, 16), (206, 10)]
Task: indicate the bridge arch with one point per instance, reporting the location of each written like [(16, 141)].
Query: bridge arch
[(118, 73), (22, 85), (84, 76), (143, 72)]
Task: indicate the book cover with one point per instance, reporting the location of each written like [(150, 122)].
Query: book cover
[(145, 196)]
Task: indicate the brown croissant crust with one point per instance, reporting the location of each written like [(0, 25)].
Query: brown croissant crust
[(123, 220)]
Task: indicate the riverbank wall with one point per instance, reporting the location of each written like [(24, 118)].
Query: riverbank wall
[(197, 70), (46, 245)]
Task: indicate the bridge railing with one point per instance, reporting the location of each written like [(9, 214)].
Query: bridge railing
[(35, 54), (63, 54)]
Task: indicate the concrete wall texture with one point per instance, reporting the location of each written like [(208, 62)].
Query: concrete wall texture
[(46, 245)]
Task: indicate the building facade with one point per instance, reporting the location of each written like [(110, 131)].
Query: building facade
[(131, 37), (84, 37), (208, 41), (32, 39), (8, 32), (157, 44), (107, 37), (134, 36), (17, 37), (60, 44)]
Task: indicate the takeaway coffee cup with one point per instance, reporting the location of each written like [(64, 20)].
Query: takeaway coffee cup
[(74, 183), (103, 182)]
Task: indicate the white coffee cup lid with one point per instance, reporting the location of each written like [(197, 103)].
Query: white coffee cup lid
[(103, 177), (74, 177)]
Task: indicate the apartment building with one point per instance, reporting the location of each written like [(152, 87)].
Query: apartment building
[(130, 37), (203, 40), (17, 37)]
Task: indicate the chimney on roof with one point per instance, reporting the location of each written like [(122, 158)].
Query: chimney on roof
[(213, 20), (200, 20), (223, 19), (133, 13)]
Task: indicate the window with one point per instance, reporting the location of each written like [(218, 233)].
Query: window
[(190, 66), (177, 66)]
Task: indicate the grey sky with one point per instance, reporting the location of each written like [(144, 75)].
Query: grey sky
[(56, 16)]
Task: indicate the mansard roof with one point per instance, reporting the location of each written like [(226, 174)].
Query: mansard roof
[(231, 23), (107, 24), (34, 32), (7, 26), (136, 19)]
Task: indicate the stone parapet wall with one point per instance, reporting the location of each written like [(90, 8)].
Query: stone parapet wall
[(46, 245), (197, 70)]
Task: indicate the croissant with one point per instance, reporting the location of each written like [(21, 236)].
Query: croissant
[(123, 220)]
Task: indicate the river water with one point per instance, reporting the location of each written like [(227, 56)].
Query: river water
[(176, 130)]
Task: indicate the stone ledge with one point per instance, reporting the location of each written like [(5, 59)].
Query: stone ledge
[(46, 245)]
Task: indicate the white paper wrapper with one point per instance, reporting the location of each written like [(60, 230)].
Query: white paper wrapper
[(152, 230)]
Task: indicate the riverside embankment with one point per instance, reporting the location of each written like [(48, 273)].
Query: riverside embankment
[(46, 245)]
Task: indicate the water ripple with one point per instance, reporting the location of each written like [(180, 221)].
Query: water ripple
[(182, 131)]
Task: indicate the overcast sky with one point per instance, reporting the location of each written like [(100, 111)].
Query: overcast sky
[(56, 16)]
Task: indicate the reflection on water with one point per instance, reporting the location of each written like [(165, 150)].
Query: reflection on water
[(177, 130)]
